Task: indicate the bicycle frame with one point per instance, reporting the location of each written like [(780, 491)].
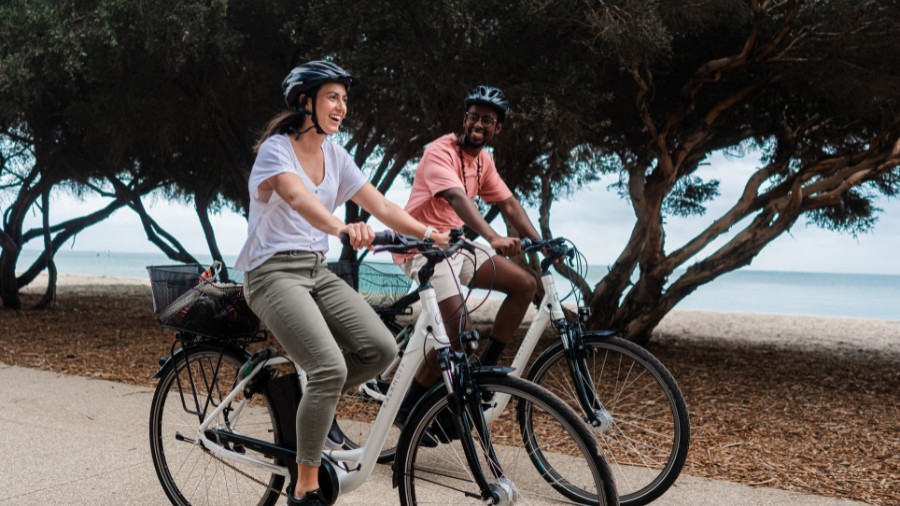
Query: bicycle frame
[(355, 465), (550, 310)]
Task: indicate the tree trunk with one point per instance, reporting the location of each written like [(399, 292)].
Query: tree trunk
[(63, 232), (163, 240), (32, 188), (202, 207), (49, 251), (9, 288)]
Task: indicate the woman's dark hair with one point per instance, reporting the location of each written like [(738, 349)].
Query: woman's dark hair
[(285, 122)]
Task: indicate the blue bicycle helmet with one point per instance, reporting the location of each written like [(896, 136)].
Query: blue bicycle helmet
[(491, 97)]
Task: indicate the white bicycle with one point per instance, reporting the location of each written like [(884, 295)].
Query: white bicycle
[(222, 423), (625, 396)]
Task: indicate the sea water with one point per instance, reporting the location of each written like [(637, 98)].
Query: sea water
[(823, 294)]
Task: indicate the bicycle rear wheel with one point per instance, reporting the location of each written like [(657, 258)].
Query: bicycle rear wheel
[(647, 441), (442, 475), (189, 473)]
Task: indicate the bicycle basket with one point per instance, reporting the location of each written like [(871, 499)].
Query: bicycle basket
[(183, 302), (168, 282), (381, 284)]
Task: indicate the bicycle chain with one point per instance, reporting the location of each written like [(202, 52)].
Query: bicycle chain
[(244, 474)]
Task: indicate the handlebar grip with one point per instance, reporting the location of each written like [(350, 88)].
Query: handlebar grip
[(383, 238), (526, 242)]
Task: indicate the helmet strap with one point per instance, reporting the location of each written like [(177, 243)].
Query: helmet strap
[(315, 118), (302, 110)]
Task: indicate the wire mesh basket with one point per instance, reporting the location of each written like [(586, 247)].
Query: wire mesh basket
[(381, 284), (184, 300)]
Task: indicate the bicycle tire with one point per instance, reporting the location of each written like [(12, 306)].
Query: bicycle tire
[(646, 407), (190, 474), (441, 474)]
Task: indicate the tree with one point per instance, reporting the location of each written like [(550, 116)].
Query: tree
[(648, 91), (122, 99), (39, 83), (811, 85), (417, 62)]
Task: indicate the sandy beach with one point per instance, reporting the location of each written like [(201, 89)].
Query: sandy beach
[(802, 403), (849, 335)]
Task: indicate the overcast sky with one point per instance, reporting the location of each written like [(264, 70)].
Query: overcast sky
[(595, 219)]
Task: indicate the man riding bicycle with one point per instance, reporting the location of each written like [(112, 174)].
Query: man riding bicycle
[(455, 171)]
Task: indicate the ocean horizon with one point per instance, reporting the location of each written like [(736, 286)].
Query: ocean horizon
[(869, 296)]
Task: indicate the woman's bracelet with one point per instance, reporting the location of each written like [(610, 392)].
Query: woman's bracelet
[(428, 231)]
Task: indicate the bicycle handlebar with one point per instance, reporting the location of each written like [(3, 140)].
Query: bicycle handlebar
[(399, 243), (382, 238), (556, 244), (388, 240), (554, 249)]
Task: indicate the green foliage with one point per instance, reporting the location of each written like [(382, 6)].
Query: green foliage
[(167, 90), (689, 195), (176, 91), (855, 214)]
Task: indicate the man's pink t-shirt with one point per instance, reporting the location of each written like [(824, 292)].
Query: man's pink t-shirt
[(440, 170)]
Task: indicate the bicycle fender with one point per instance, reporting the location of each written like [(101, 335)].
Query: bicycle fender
[(494, 370), (600, 333), (165, 362)]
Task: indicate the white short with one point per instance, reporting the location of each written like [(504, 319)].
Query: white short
[(460, 268)]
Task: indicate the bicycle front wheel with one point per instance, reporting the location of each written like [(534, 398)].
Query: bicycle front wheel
[(647, 435), (441, 474), (193, 384)]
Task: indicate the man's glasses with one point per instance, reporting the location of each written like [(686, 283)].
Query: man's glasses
[(474, 117)]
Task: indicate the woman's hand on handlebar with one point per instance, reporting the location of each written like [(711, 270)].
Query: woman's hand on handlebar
[(360, 235)]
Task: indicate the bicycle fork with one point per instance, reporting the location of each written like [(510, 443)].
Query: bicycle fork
[(465, 404), (576, 354)]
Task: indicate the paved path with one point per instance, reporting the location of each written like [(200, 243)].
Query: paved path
[(68, 440)]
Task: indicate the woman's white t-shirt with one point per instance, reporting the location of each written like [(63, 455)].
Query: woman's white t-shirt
[(274, 226)]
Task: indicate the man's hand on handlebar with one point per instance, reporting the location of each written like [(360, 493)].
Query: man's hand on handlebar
[(440, 238), (506, 246), (554, 248)]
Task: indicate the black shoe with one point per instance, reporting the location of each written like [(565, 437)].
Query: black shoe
[(443, 427), (428, 440), (413, 395), (312, 498), (335, 438)]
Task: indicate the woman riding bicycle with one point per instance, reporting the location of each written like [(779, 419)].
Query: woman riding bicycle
[(297, 181)]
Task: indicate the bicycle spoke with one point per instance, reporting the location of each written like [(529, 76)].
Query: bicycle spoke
[(646, 438), (189, 473)]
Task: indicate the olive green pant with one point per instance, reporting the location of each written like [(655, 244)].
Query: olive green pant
[(314, 315)]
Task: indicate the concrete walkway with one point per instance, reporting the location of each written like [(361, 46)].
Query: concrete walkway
[(68, 440)]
